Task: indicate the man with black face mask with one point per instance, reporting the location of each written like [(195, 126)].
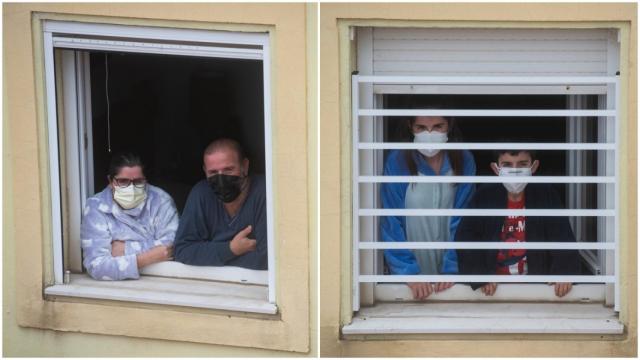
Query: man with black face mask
[(224, 219)]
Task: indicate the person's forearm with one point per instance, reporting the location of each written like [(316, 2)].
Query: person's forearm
[(144, 259), (112, 268), (203, 253)]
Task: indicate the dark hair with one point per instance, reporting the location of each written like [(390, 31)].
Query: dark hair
[(498, 153), (123, 159), (455, 156), (226, 143)]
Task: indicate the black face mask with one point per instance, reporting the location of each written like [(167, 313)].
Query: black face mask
[(226, 187)]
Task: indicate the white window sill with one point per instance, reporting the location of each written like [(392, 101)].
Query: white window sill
[(171, 291), (487, 318), (216, 273)]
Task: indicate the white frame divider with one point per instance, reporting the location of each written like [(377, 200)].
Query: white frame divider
[(54, 162), (371, 244), (488, 179), (493, 113), (616, 226), (268, 153), (486, 245), (488, 146), (153, 40), (355, 165), (155, 48)]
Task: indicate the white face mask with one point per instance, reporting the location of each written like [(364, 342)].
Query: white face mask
[(130, 196), (433, 137), (514, 188)]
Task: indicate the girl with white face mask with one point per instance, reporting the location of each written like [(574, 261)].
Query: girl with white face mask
[(426, 161), (128, 225)]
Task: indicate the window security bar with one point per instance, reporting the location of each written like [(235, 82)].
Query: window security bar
[(488, 278), (487, 146), (485, 212), (611, 87), (488, 179), (370, 245), (485, 113), (488, 80), (406, 89)]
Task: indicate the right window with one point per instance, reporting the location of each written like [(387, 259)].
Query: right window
[(423, 218)]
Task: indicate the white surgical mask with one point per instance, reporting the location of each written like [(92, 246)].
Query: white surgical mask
[(514, 188), (130, 196), (432, 137)]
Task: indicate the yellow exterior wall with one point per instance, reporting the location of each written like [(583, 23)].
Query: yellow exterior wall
[(337, 61), (156, 331)]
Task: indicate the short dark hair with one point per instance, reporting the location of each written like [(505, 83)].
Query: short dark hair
[(225, 143), (498, 153), (123, 159)]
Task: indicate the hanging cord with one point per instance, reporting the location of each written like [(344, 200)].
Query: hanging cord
[(106, 85)]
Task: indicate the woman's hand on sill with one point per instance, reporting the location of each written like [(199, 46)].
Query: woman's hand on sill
[(157, 254)]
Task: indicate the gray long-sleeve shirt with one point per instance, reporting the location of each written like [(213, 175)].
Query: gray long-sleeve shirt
[(206, 229)]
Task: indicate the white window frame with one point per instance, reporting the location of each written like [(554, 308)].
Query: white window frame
[(587, 85), (151, 40)]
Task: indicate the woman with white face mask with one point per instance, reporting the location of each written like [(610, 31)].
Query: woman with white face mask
[(425, 162), (128, 225)]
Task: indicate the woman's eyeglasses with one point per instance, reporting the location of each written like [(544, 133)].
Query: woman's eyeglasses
[(124, 182)]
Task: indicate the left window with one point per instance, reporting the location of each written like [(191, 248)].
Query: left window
[(164, 93)]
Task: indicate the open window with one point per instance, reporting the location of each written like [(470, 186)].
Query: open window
[(164, 93), (555, 89)]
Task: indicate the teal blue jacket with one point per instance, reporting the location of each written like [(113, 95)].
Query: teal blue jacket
[(402, 261)]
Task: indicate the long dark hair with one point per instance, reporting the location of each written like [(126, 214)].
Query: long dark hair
[(455, 156)]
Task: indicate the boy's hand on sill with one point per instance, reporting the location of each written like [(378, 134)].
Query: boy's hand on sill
[(420, 290), (442, 286), (562, 289), (489, 289)]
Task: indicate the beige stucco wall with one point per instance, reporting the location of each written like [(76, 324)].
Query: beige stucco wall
[(293, 26), (336, 62)]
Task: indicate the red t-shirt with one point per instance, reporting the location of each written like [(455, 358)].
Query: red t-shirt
[(512, 261)]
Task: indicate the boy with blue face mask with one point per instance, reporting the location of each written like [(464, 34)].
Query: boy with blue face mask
[(516, 195)]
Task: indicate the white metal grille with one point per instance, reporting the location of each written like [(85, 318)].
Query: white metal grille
[(590, 85)]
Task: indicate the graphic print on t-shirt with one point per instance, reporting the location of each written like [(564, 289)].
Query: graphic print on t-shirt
[(513, 261)]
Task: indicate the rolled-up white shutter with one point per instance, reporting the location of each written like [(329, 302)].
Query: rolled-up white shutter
[(504, 52)]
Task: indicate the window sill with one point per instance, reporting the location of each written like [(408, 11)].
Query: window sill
[(393, 292), (487, 318), (170, 291), (215, 273)]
